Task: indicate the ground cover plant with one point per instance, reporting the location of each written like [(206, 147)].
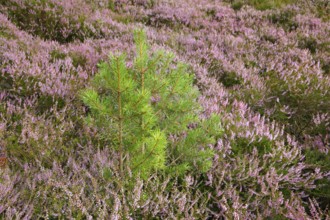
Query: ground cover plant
[(203, 109)]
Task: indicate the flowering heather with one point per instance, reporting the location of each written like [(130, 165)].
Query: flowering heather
[(264, 73)]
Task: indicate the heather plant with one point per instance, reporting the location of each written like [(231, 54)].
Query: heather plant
[(42, 19), (55, 20), (325, 67), (229, 79), (321, 160), (263, 5), (149, 113), (171, 16), (165, 16), (79, 189), (308, 43), (320, 7), (296, 104), (256, 155), (30, 98), (237, 5), (284, 19), (260, 4), (4, 32)]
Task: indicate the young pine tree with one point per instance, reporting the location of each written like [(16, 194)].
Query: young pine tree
[(150, 114)]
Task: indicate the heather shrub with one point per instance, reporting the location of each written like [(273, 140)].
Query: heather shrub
[(295, 102), (325, 61), (4, 32), (40, 18), (35, 91), (269, 38), (52, 20), (237, 5), (251, 179), (284, 19), (308, 43), (79, 189), (264, 5), (166, 15), (57, 55), (229, 79), (260, 4), (162, 16), (226, 78), (23, 86), (211, 12), (144, 3), (36, 132), (325, 67), (322, 160), (46, 102), (78, 59), (6, 82), (243, 146), (320, 7), (154, 120)]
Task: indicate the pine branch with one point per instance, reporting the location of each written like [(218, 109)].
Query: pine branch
[(148, 156)]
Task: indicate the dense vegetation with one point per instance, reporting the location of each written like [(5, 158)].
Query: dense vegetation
[(211, 109)]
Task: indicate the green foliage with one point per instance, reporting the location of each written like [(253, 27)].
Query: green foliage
[(269, 4), (6, 81), (46, 102), (325, 67), (321, 8), (276, 217), (318, 48), (243, 146), (5, 33), (23, 86), (308, 43), (122, 18), (269, 38), (229, 79), (78, 59), (149, 113), (318, 158), (237, 5), (211, 12), (322, 160), (285, 20), (260, 4), (21, 15), (57, 55), (111, 5), (44, 18), (304, 104)]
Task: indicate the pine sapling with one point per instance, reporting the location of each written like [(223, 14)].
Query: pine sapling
[(149, 113)]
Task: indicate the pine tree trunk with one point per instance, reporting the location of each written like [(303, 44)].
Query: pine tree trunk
[(120, 123)]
